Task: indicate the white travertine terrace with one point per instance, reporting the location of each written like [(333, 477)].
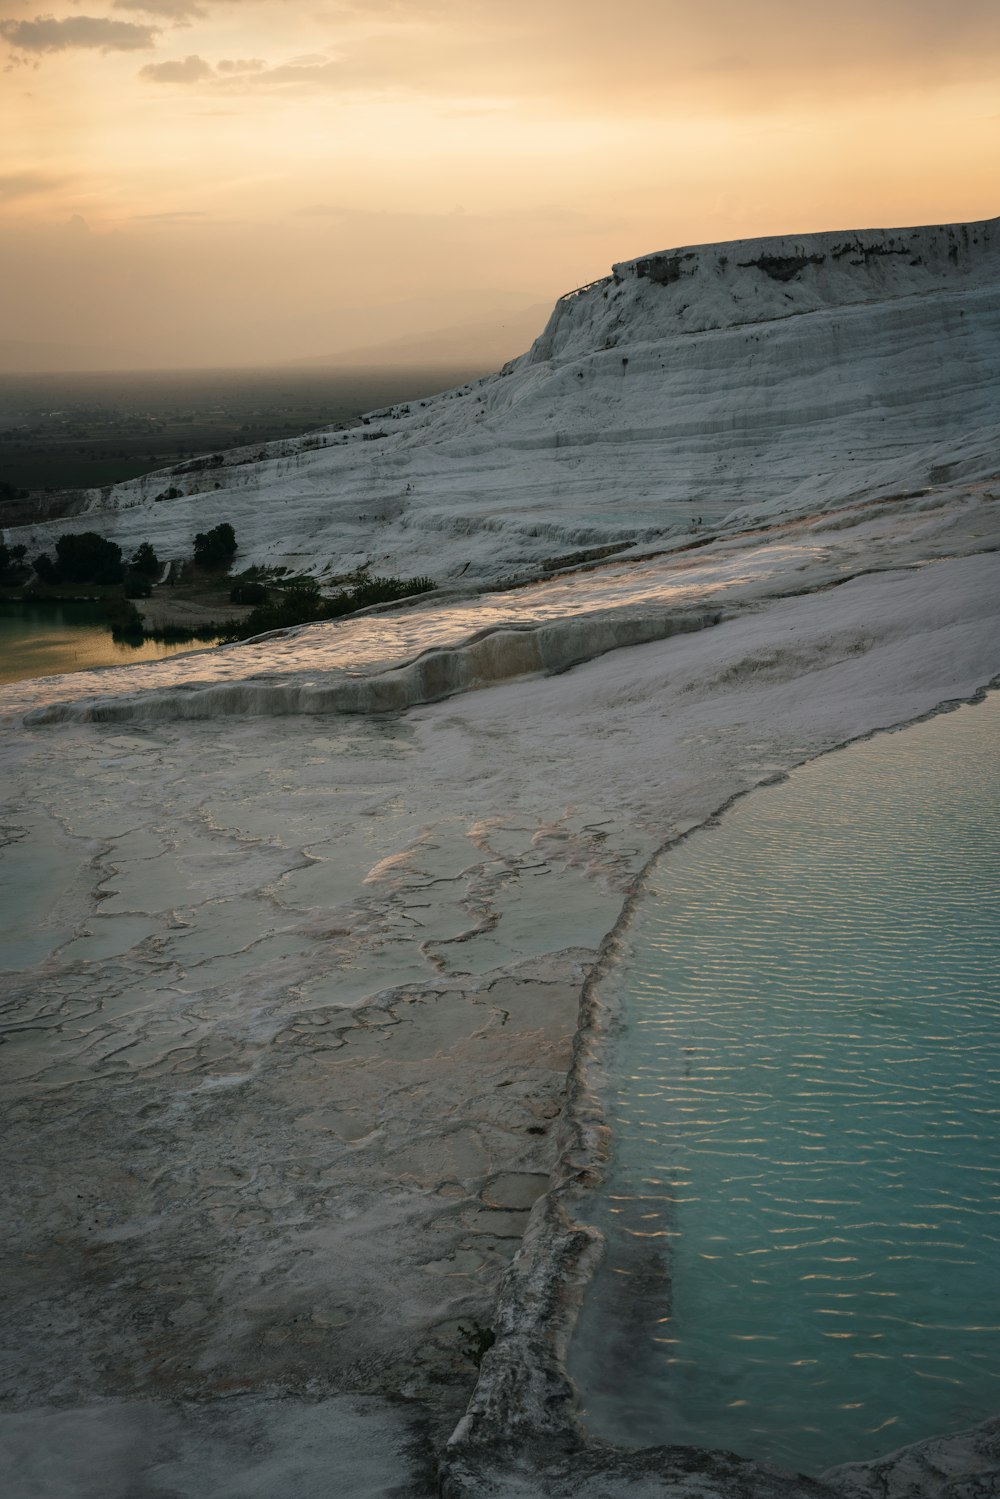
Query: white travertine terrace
[(752, 379), (292, 982)]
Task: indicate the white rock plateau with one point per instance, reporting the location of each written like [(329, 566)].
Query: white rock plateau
[(294, 932), (718, 382)]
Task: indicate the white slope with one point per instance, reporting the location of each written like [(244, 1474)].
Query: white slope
[(289, 1005), (702, 385), (446, 644)]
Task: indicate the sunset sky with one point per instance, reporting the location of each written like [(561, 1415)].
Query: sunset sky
[(219, 182)]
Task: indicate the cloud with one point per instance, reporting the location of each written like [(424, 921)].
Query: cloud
[(241, 65), (48, 34), (179, 11), (720, 53), (721, 56), (191, 69), (26, 184), (303, 75), (171, 215)]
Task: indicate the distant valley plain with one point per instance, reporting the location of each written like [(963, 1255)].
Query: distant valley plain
[(81, 431)]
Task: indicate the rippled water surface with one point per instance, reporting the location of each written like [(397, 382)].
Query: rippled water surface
[(803, 1211)]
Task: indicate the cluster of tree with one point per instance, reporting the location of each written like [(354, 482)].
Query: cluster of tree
[(83, 557), (86, 557)]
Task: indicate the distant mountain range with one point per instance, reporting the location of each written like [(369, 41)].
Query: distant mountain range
[(24, 357), (481, 344)]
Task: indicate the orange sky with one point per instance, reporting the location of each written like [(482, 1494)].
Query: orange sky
[(213, 182)]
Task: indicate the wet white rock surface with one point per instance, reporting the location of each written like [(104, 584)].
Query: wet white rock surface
[(963, 1466), (289, 1001), (392, 660), (245, 1448)]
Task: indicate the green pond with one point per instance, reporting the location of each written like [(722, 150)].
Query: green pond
[(44, 639)]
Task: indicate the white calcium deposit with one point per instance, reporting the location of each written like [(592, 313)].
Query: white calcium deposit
[(295, 931), (686, 389)]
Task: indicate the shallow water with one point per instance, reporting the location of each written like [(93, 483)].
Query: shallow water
[(803, 1210), (370, 643), (42, 640)]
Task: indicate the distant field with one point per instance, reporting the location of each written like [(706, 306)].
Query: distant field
[(80, 431)]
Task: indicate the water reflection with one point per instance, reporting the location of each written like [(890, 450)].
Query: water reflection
[(46, 639)]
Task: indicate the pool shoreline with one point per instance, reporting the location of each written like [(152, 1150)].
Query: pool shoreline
[(519, 864), (524, 1391)]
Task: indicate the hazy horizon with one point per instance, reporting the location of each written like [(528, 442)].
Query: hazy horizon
[(69, 430), (484, 344)]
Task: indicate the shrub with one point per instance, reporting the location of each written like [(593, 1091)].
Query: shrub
[(296, 605), (365, 591), (301, 603), (248, 592)]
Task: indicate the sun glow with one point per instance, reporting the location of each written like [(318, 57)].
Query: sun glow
[(296, 158)]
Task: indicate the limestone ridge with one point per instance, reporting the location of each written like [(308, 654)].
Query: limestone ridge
[(701, 287), (706, 387)]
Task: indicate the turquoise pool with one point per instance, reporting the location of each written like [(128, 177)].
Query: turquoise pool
[(803, 1209)]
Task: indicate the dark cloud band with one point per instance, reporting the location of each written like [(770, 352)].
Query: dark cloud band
[(61, 35)]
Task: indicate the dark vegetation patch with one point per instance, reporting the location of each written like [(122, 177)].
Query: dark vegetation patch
[(299, 601), (866, 253), (783, 267), (87, 565), (663, 270), (586, 554)]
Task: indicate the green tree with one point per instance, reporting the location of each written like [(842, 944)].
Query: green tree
[(145, 560), (88, 558), (215, 549), (11, 560)]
